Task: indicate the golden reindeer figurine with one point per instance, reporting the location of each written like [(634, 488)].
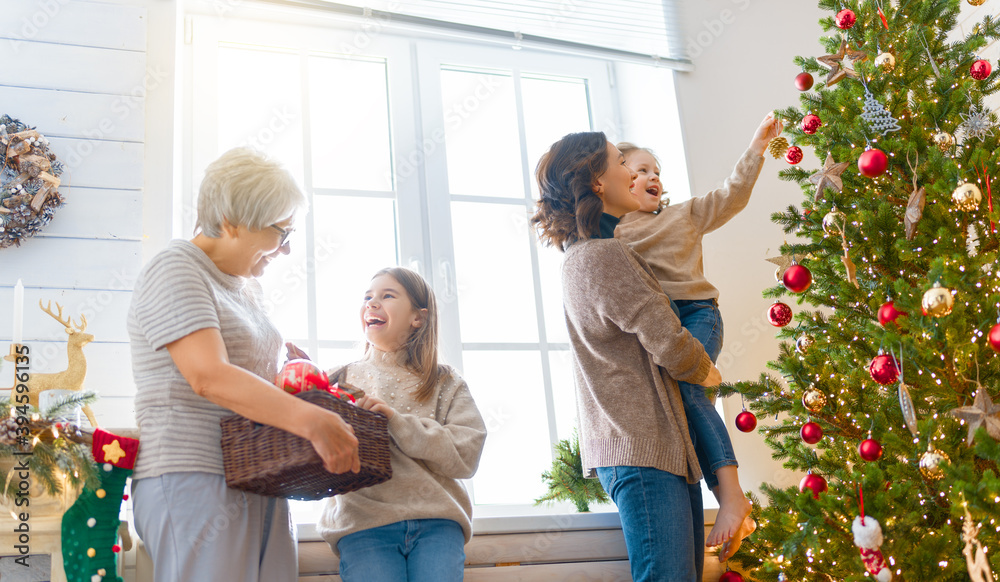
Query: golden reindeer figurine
[(76, 370)]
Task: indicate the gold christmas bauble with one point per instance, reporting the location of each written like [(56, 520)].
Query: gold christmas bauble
[(967, 197), (833, 222), (814, 400), (886, 62), (977, 2), (944, 140), (778, 273), (937, 301), (804, 342), (931, 463)]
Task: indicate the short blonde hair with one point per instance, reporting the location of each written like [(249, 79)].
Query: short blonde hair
[(626, 148), (245, 188)]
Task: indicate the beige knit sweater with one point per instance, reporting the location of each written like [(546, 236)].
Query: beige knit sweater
[(432, 445), (629, 350), (671, 240)]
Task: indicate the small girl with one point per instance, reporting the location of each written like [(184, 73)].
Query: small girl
[(629, 350), (414, 526), (669, 237)]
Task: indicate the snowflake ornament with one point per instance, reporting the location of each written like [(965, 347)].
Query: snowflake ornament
[(977, 124)]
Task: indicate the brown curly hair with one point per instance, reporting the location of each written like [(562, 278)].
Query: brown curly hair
[(627, 147), (569, 210)]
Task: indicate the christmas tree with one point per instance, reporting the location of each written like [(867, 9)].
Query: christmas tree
[(887, 393)]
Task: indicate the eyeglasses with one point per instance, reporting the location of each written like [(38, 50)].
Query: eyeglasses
[(284, 234)]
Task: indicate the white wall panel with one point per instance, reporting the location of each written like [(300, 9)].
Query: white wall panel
[(99, 164), (97, 213), (95, 24), (73, 68), (69, 264), (60, 113)]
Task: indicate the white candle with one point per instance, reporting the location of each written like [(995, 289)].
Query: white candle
[(18, 312)]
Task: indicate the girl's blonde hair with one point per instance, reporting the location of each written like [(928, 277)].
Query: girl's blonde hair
[(626, 148), (422, 345)]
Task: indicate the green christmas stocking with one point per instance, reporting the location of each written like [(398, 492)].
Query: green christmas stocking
[(90, 526)]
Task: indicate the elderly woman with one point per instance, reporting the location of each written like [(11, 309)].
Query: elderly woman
[(201, 349)]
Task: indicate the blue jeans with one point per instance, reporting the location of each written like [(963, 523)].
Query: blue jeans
[(663, 522), (708, 430), (417, 550)]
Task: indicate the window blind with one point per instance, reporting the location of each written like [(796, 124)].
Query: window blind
[(647, 31)]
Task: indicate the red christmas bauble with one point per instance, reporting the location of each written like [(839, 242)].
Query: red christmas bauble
[(746, 421), (994, 338), (301, 376), (980, 69), (779, 314), (810, 123), (813, 482), (730, 576), (803, 81), (797, 278), (845, 19), (884, 369), (870, 450), (793, 155), (873, 163), (116, 548), (811, 433), (888, 313)]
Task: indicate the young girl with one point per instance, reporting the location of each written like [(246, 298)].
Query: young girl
[(669, 238), (629, 350), (414, 526)]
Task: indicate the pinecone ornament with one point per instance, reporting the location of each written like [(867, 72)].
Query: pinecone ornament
[(777, 147)]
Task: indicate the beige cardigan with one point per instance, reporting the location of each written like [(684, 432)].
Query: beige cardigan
[(629, 349)]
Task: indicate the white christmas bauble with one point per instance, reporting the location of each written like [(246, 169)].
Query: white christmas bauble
[(885, 61), (833, 222)]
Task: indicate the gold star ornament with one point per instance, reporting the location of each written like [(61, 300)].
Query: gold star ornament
[(829, 177), (982, 412), (841, 64)]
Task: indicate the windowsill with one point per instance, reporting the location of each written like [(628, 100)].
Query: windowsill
[(525, 523)]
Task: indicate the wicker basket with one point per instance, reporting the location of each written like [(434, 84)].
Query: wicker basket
[(268, 461)]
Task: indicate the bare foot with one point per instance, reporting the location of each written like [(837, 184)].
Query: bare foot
[(729, 548), (732, 513)]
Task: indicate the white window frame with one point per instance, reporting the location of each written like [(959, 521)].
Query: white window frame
[(415, 116)]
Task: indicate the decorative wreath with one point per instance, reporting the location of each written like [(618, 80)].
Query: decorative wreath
[(29, 182)]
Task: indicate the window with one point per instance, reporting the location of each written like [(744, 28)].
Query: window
[(419, 154)]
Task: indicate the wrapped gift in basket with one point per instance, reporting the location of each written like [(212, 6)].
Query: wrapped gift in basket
[(268, 461)]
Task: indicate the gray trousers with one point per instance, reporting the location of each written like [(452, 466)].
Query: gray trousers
[(195, 528)]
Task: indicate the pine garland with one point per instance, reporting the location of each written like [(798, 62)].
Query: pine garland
[(60, 454)]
